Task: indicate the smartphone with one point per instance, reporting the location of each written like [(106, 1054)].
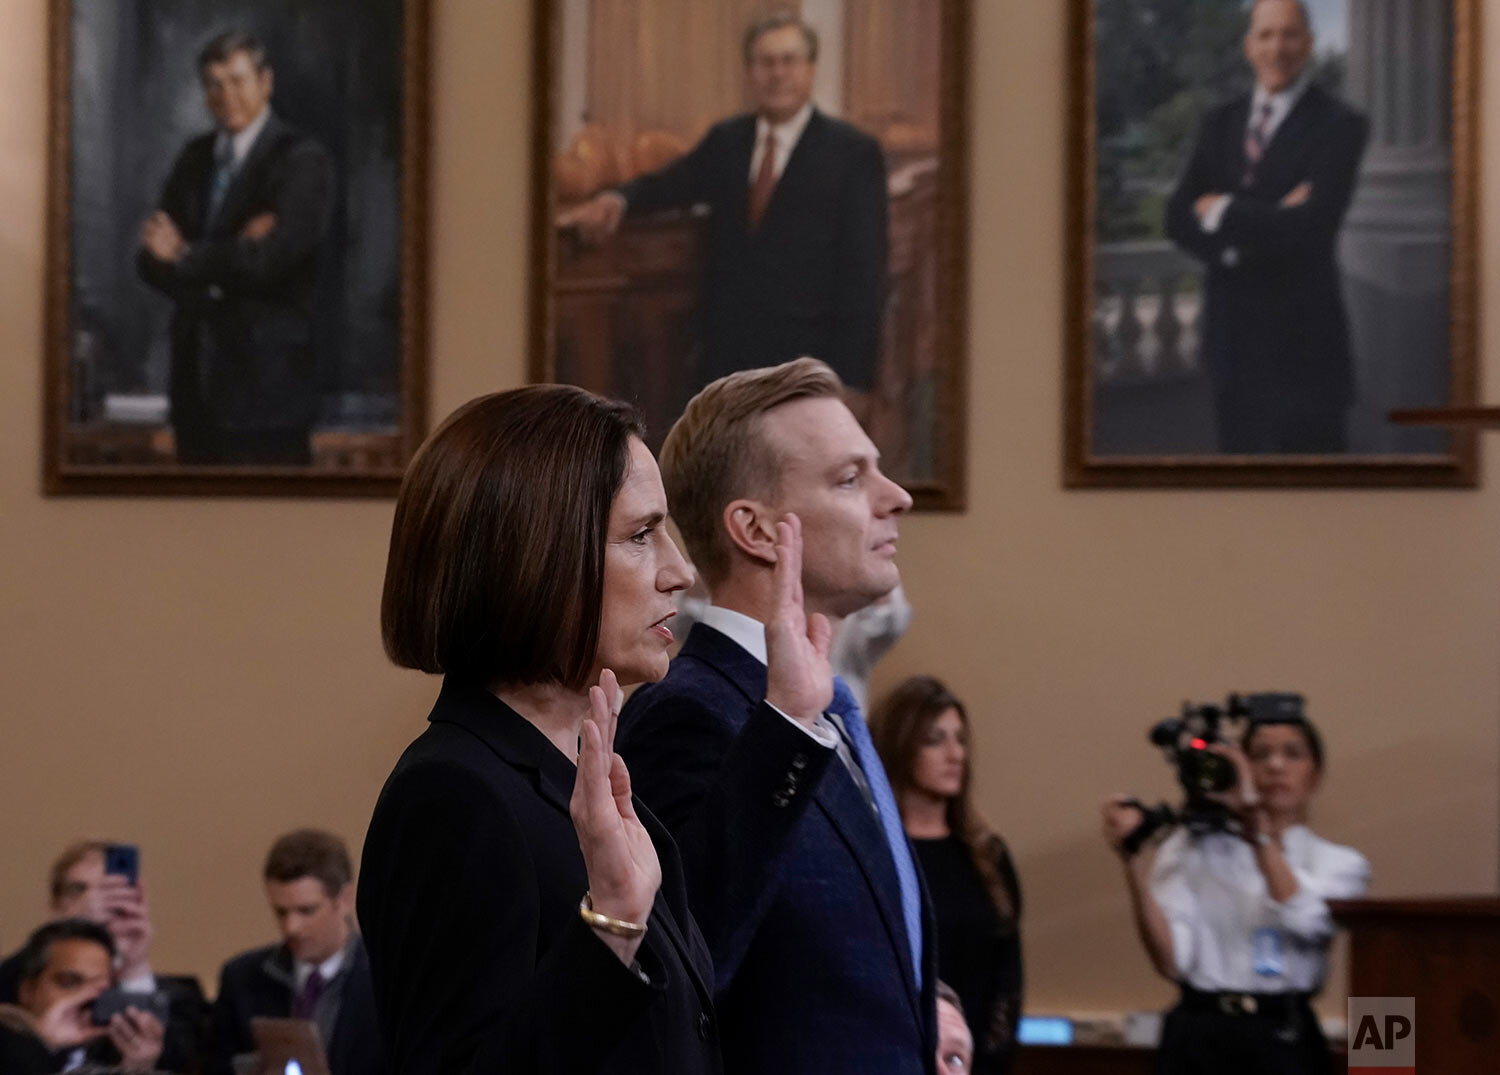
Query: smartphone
[(123, 860), (113, 1001)]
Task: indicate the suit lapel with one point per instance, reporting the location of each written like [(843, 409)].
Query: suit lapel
[(840, 801), (1292, 130), (1234, 149), (237, 196), (742, 149), (800, 167), (844, 805)]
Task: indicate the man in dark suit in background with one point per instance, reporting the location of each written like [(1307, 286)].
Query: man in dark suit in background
[(319, 971), (235, 244), (827, 963), (797, 234), (1261, 204)]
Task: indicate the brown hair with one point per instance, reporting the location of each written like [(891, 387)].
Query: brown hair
[(898, 725), (224, 46), (72, 855), (779, 21), (310, 853), (496, 567), (715, 453)]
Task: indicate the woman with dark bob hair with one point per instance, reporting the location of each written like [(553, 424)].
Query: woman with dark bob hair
[(922, 732), (523, 913)]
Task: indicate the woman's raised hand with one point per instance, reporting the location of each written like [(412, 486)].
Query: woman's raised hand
[(799, 677), (623, 870)]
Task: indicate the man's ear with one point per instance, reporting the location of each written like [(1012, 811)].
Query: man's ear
[(346, 899), (751, 527)]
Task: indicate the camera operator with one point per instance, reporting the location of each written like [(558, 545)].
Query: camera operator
[(1237, 917)]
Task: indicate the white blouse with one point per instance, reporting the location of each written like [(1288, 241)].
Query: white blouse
[(1228, 933)]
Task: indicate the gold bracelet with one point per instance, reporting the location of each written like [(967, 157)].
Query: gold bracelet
[(615, 927)]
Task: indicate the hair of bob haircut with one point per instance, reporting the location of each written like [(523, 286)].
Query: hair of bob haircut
[(714, 453), (496, 567)]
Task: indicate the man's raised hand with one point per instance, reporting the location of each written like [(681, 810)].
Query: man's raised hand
[(799, 677)]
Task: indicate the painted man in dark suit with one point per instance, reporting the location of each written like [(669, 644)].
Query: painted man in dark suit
[(319, 971), (828, 964), (1261, 204), (235, 243), (797, 234)]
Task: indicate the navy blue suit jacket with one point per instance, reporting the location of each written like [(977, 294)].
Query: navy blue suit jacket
[(812, 965), (1274, 323), (810, 279)]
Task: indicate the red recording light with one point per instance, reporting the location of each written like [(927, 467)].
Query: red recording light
[(1198, 744)]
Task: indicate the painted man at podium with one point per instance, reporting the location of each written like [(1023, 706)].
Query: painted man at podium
[(797, 231)]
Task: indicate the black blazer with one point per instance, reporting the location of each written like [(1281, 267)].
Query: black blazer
[(468, 896), (259, 983), (810, 280), (813, 966), (1274, 320), (242, 327)]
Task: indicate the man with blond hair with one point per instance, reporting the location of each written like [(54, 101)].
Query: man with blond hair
[(826, 964)]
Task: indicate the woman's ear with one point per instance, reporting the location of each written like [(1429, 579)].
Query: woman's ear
[(751, 527)]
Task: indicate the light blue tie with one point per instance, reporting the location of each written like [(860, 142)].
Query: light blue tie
[(223, 173), (890, 817)]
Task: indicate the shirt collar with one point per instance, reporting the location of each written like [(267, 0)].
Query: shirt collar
[(1282, 101), (243, 140), (747, 633), (301, 971), (786, 132)]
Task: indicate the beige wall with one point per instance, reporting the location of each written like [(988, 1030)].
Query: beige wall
[(197, 675)]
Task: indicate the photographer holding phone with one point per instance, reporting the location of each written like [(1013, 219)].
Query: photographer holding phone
[(65, 969), (1239, 918), (82, 886), (99, 881)]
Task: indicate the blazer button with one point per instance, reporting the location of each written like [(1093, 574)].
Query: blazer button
[(799, 761), (780, 798), (705, 1026)]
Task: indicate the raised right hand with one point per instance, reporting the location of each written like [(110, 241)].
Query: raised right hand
[(799, 676), (624, 872)]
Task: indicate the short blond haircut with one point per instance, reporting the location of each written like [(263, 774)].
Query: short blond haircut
[(715, 452)]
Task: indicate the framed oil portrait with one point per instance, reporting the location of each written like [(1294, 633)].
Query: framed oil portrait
[(235, 294), (726, 184), (1272, 242)]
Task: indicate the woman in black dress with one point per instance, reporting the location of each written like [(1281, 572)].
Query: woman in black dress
[(523, 913), (922, 733)]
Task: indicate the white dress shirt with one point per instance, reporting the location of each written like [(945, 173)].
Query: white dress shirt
[(1228, 933), (241, 142), (301, 971), (787, 135)]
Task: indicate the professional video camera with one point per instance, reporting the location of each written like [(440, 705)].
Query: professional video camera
[(1186, 739)]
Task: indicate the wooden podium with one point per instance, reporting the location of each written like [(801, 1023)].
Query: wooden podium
[(1446, 954)]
